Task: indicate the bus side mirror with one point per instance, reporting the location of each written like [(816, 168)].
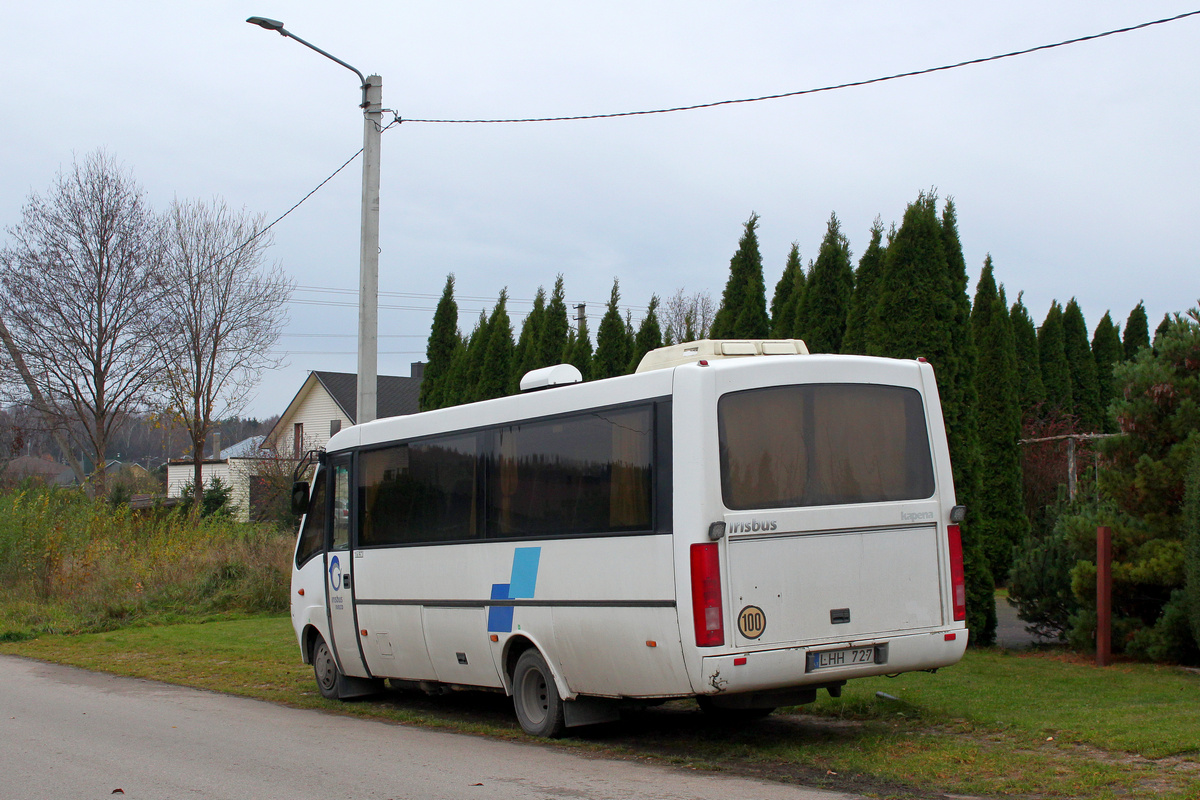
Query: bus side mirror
[(299, 497)]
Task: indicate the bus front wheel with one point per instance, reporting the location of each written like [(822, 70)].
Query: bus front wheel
[(325, 669), (535, 697)]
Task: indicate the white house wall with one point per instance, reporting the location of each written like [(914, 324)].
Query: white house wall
[(234, 473), (180, 475), (315, 412)]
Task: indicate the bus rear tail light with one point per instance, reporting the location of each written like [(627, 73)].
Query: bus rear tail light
[(958, 584), (706, 596)]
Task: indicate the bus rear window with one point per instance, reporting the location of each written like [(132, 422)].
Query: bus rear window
[(823, 444)]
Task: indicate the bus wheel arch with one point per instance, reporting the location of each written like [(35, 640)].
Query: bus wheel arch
[(308, 641)]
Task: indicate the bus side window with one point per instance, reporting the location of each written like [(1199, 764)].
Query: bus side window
[(312, 538)]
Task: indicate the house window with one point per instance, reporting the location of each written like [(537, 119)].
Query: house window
[(335, 425), (298, 439)]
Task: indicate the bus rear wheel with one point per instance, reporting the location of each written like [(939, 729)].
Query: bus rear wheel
[(535, 697), (325, 669)]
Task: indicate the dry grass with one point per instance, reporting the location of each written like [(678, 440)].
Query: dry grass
[(72, 564)]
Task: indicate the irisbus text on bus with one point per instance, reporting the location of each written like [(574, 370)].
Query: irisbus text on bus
[(738, 521)]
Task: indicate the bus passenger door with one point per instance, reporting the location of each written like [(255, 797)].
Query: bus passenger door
[(339, 573)]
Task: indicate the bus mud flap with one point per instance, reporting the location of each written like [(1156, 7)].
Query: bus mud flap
[(590, 711), (349, 687)]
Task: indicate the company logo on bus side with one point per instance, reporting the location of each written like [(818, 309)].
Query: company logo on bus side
[(910, 516), (753, 526)]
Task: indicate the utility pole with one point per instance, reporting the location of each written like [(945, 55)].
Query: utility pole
[(368, 279)]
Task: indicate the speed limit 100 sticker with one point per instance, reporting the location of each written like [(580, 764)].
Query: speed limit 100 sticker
[(752, 622)]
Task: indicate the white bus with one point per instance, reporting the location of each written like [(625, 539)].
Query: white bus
[(739, 522)]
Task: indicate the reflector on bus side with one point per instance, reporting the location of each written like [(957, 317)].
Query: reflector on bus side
[(706, 596)]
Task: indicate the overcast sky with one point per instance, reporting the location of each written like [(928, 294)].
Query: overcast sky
[(1076, 168)]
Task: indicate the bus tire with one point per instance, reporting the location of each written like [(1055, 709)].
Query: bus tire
[(325, 669), (535, 697)]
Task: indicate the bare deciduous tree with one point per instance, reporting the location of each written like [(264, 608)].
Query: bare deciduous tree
[(685, 317), (81, 300), (225, 312)]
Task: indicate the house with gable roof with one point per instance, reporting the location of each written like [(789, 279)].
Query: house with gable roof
[(328, 401)]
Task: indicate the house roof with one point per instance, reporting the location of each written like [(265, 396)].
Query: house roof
[(35, 466), (243, 449), (394, 396)]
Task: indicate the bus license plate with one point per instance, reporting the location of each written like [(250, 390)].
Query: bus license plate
[(845, 657)]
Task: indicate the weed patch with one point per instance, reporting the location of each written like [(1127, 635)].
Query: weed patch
[(70, 564)]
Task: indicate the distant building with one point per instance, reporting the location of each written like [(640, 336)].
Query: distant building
[(242, 467), (41, 468)]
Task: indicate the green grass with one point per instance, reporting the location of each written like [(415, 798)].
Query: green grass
[(998, 724)]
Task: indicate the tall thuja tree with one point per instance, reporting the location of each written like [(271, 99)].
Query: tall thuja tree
[(552, 345), (1108, 352), (866, 296), (963, 429), (444, 339), (498, 355), (916, 311), (827, 294), (578, 351), (964, 422), (1162, 328), (999, 521), (1137, 331), (1056, 370), (800, 313), (463, 384), (648, 337), (1084, 389), (451, 391), (527, 353), (743, 311), (788, 292), (1030, 390), (612, 341)]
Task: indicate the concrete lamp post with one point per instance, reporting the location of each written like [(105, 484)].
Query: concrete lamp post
[(368, 259)]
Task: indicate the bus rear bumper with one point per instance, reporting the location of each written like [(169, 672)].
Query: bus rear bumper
[(782, 668)]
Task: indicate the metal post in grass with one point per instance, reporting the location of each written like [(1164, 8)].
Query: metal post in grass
[(1103, 595)]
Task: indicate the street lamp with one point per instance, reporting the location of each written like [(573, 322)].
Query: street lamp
[(368, 259)]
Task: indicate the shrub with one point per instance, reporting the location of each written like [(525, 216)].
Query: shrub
[(217, 499), (1039, 585)]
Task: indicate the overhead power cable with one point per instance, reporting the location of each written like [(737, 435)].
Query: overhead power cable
[(398, 119), (831, 88)]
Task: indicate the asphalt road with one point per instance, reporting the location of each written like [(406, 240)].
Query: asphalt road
[(69, 733)]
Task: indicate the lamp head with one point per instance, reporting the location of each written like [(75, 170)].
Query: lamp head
[(268, 24)]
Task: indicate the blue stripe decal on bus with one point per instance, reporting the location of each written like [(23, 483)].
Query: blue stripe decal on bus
[(521, 585), (524, 572)]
